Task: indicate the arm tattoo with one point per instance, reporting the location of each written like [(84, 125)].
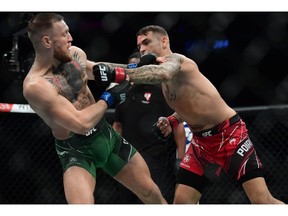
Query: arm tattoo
[(149, 74), (154, 74), (82, 65)]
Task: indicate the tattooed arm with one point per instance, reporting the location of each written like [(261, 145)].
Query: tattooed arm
[(154, 74)]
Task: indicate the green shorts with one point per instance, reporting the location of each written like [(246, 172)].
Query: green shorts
[(103, 147)]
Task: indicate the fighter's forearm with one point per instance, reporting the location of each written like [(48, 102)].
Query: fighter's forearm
[(149, 74), (153, 74)]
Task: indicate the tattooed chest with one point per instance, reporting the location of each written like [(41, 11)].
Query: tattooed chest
[(68, 79)]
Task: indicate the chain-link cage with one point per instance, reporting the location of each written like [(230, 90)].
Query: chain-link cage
[(31, 172)]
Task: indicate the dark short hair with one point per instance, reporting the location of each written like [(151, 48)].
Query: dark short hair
[(152, 28), (41, 22)]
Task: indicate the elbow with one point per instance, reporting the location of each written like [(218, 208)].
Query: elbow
[(83, 127), (166, 77), (167, 73), (88, 128)]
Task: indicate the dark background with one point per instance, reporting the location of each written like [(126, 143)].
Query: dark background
[(244, 54)]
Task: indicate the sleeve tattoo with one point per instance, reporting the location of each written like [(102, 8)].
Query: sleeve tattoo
[(154, 74)]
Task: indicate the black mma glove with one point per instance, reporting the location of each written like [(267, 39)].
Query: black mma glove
[(104, 75), (116, 94), (146, 59)]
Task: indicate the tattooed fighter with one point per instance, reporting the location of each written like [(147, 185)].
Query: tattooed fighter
[(219, 134), (56, 89)]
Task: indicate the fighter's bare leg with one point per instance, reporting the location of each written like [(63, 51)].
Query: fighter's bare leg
[(79, 186), (186, 195), (135, 175), (258, 193)]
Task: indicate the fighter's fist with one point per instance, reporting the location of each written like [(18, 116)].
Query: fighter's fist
[(149, 58), (104, 75), (161, 136), (164, 129), (116, 94)]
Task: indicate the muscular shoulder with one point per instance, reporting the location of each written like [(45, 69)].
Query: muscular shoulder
[(179, 57), (34, 89), (76, 51), (186, 63), (79, 56)]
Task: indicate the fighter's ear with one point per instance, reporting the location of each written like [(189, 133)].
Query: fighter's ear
[(165, 41), (46, 41)]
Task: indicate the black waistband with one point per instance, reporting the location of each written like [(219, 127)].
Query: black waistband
[(216, 129)]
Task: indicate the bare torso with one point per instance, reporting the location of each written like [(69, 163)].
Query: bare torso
[(195, 99), (68, 80)]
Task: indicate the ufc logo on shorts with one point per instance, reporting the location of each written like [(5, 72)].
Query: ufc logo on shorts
[(91, 131), (103, 74), (206, 134)]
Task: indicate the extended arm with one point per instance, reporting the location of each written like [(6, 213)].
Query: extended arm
[(154, 74), (105, 72)]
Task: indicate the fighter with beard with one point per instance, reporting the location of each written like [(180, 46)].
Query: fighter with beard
[(56, 89)]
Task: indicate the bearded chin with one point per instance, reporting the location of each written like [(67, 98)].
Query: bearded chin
[(62, 57)]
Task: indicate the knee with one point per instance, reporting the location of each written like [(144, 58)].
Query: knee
[(151, 194), (186, 195), (150, 191)]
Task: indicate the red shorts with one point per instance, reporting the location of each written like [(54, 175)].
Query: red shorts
[(227, 145)]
